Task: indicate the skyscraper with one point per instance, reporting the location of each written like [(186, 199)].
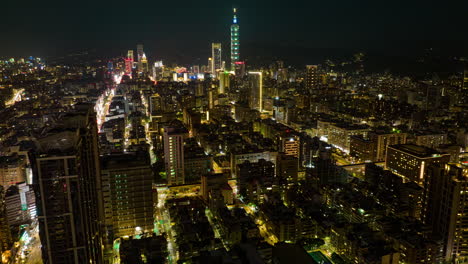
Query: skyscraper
[(67, 183), (224, 82), (312, 77), (216, 62), (129, 62), (144, 64), (256, 90), (140, 54), (235, 43), (174, 154), (444, 208)]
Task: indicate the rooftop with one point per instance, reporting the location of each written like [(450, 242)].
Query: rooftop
[(419, 151)]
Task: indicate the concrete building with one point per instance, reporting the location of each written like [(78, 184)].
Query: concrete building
[(174, 154), (20, 204), (128, 195), (445, 207), (339, 134), (410, 161), (12, 170), (67, 175)]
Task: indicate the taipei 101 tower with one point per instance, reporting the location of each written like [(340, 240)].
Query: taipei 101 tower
[(235, 44)]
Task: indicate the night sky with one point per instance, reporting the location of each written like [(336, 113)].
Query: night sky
[(183, 30)]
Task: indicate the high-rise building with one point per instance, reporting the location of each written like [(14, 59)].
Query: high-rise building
[(130, 55), (235, 43), (239, 68), (256, 90), (129, 62), (5, 233), (140, 54), (144, 64), (216, 63), (174, 154), (444, 208), (20, 204), (410, 161), (224, 82), (312, 77), (68, 194), (128, 197), (289, 144), (158, 70)]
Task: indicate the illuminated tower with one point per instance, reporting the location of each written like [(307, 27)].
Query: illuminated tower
[(129, 63), (216, 62), (312, 77), (140, 54), (144, 64), (235, 43)]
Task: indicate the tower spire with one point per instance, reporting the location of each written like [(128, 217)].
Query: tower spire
[(235, 43), (234, 19)]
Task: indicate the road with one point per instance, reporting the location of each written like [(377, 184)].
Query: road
[(30, 247), (102, 106), (164, 224), (15, 98), (269, 237)]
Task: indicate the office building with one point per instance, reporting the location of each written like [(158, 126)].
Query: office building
[(144, 64), (68, 196), (312, 77), (235, 42), (445, 209), (224, 82), (174, 154), (374, 146), (129, 61), (239, 68), (289, 144), (216, 63), (339, 134), (128, 195), (256, 91), (140, 54), (410, 161)]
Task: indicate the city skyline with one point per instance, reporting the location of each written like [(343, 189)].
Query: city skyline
[(234, 133), (53, 29)]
